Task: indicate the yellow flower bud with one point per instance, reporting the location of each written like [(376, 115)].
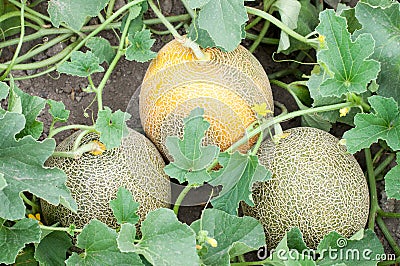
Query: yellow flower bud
[(212, 242)]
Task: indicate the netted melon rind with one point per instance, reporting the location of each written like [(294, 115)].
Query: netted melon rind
[(94, 180), (316, 186), (227, 86)]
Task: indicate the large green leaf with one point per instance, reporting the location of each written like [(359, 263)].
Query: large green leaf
[(223, 20), (52, 249), (13, 239), (384, 25), (21, 163), (101, 48), (100, 245), (289, 11), (112, 127), (31, 108), (191, 158), (361, 249), (392, 180), (4, 89), (234, 235), (81, 65), (74, 12), (345, 61), (239, 173), (139, 47), (124, 207), (383, 124), (165, 240)]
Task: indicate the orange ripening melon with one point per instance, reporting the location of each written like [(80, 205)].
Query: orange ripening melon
[(226, 86)]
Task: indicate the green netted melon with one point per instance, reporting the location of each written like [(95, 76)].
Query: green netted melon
[(94, 180), (226, 86), (316, 186)]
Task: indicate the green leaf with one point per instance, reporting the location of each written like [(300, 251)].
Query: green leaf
[(191, 158), (223, 20), (392, 181), (344, 61), (126, 238), (384, 25), (101, 48), (31, 108), (289, 11), (289, 251), (139, 48), (52, 249), (22, 166), (124, 207), (4, 89), (361, 250), (165, 240), (74, 13), (13, 239), (112, 127), (377, 3), (81, 65), (136, 23), (57, 111), (235, 235), (100, 244), (306, 22), (383, 124), (14, 101), (239, 173)]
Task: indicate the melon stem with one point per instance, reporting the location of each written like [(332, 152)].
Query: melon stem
[(282, 118), (180, 198), (64, 229)]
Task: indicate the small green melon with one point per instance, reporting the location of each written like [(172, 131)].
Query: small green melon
[(94, 180), (316, 186)]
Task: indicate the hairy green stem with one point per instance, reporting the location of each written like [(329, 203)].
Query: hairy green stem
[(379, 169), (63, 128), (29, 202), (257, 42), (374, 205), (283, 73), (79, 138), (388, 214), (281, 118), (258, 144), (388, 236), (264, 40), (180, 198), (9, 15), (110, 8), (19, 46), (378, 155), (166, 23), (44, 63), (254, 11), (76, 154), (65, 229), (42, 48), (165, 32)]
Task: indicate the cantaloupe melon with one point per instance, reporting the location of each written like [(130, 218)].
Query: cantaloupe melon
[(226, 85), (316, 186), (94, 180)]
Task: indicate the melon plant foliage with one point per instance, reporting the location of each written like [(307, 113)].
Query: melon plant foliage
[(357, 70)]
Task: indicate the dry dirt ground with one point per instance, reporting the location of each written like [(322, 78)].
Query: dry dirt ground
[(121, 92)]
